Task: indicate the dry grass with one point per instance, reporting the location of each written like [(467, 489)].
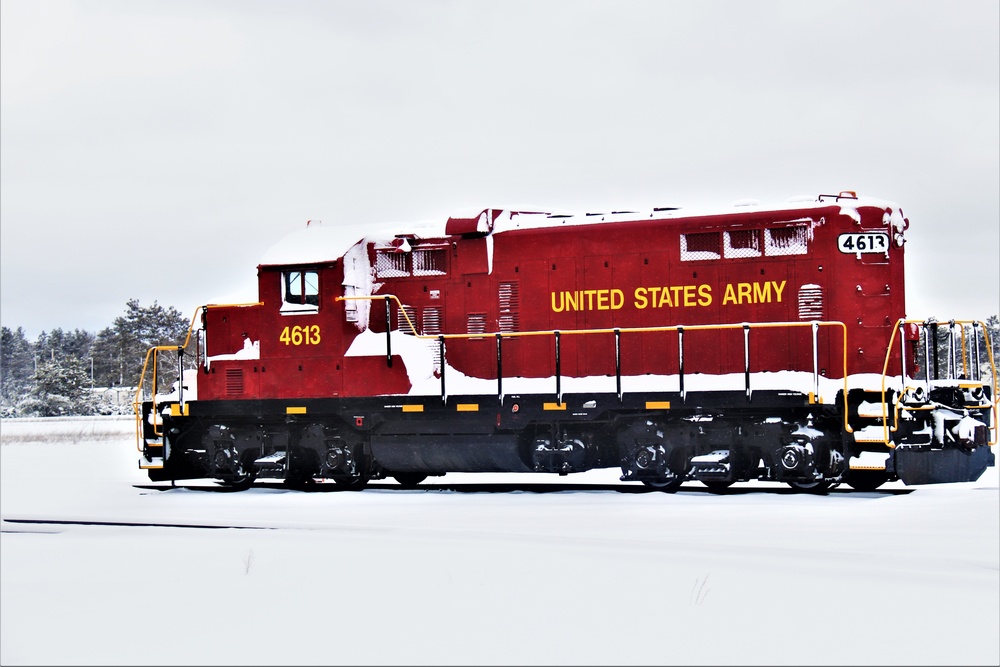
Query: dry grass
[(65, 430)]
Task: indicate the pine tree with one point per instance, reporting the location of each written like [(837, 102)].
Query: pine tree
[(60, 388), (16, 368)]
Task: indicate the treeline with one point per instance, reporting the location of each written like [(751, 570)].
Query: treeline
[(64, 372)]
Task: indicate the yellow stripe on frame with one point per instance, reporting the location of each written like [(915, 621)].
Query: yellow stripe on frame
[(175, 410), (467, 407), (413, 408), (657, 405), (553, 406), (295, 411)]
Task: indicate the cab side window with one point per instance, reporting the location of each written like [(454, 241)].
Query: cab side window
[(299, 291)]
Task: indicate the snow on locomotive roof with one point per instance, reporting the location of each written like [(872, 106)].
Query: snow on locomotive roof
[(316, 243)]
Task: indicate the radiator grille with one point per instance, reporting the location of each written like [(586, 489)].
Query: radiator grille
[(810, 302), (476, 323), (509, 316), (234, 381)]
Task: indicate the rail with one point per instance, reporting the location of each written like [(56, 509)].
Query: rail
[(557, 335), (153, 353), (975, 374)]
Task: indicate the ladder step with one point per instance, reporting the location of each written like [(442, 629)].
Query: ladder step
[(869, 461), (870, 434), (151, 463)]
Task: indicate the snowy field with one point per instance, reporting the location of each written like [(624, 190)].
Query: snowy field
[(98, 568)]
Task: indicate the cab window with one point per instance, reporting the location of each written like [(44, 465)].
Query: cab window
[(299, 291)]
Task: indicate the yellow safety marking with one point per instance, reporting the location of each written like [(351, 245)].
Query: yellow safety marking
[(295, 411), (413, 408), (467, 407), (553, 406), (152, 466), (657, 405), (854, 467), (175, 410)]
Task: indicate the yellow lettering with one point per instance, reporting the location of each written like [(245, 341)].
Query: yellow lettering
[(602, 300), (778, 289), (688, 295), (730, 296), (677, 294), (571, 301), (590, 299), (744, 292), (665, 298), (616, 305), (704, 295), (562, 302), (653, 291), (640, 298), (762, 294)]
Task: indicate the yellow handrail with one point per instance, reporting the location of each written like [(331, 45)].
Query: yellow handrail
[(552, 332), (154, 351)]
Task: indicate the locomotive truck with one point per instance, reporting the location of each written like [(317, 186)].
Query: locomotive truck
[(743, 343)]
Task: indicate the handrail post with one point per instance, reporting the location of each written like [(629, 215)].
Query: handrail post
[(680, 362), (180, 377), (977, 371), (558, 371), (927, 356), (746, 358), (444, 396), (499, 368), (902, 353), (388, 333), (198, 361), (934, 351), (815, 344), (952, 357), (152, 397), (618, 363)]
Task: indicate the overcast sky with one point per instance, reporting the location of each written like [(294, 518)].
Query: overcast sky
[(155, 150)]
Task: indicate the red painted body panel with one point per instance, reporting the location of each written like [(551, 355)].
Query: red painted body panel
[(600, 275)]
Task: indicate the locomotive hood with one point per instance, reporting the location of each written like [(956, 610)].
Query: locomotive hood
[(317, 243)]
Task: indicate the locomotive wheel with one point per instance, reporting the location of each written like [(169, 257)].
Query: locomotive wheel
[(299, 483), (351, 483), (240, 482), (717, 487), (665, 485), (811, 487), (866, 480), (409, 480)]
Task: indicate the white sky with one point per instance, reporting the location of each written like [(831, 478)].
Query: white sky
[(155, 150)]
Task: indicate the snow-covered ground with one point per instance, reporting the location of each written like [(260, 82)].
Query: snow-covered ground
[(444, 576)]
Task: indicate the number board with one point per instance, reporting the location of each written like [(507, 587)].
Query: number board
[(853, 244)]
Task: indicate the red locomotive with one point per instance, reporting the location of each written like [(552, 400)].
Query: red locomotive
[(720, 346)]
